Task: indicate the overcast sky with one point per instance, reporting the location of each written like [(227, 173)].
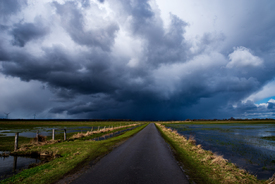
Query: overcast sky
[(137, 59)]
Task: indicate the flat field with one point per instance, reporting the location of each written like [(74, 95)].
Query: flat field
[(248, 144)]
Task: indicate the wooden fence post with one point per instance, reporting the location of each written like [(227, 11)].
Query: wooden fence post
[(65, 138), (98, 128), (14, 163), (53, 135), (16, 141)]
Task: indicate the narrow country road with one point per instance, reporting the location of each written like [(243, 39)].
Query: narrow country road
[(144, 158)]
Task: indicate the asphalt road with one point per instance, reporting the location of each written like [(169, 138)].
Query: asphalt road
[(144, 158)]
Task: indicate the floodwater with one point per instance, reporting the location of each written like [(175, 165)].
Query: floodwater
[(13, 164), (243, 144), (107, 136)]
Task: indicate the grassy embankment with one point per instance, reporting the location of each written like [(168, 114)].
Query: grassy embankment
[(7, 142), (73, 154), (203, 166)]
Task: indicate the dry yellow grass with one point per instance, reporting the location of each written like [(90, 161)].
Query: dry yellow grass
[(88, 133)]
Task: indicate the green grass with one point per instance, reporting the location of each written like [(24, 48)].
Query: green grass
[(74, 154), (7, 143)]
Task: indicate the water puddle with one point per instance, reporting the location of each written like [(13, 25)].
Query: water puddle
[(13, 164), (114, 134)]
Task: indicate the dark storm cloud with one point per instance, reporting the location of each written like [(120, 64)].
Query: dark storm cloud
[(168, 47), (249, 105), (11, 7), (22, 33), (171, 78), (161, 46), (4, 55), (270, 105), (97, 103), (60, 70)]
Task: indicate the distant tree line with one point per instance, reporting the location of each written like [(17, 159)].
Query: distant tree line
[(230, 119), (65, 119)]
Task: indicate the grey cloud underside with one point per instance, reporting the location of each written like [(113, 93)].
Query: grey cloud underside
[(10, 7), (72, 21), (96, 83), (22, 33)]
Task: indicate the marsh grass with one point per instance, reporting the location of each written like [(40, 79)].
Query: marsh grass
[(68, 156), (104, 130), (203, 166), (40, 138)]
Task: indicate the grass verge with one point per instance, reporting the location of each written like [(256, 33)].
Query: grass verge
[(73, 154), (203, 166)]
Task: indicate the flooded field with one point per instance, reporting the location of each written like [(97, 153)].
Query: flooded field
[(249, 146), (114, 134), (13, 164)]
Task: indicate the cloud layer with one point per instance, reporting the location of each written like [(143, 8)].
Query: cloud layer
[(128, 59)]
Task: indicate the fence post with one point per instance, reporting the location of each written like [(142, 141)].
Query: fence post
[(16, 141), (92, 129), (65, 138), (104, 128), (14, 163), (37, 133), (53, 135), (98, 128)]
